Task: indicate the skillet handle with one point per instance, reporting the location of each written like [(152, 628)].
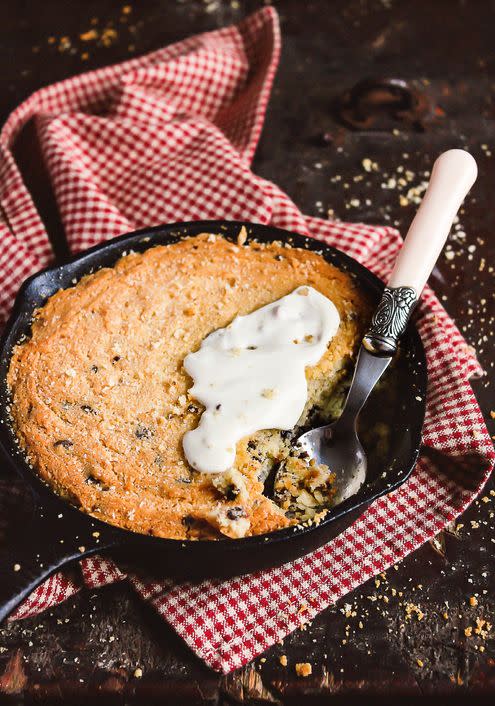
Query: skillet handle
[(49, 543), (21, 572)]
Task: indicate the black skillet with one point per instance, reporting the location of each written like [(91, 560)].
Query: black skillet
[(56, 533)]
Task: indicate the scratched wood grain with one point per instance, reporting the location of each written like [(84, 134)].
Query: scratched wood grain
[(402, 636)]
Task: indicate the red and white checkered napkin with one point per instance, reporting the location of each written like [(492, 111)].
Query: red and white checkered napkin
[(169, 137)]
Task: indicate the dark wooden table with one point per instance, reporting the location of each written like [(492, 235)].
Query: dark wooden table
[(88, 649)]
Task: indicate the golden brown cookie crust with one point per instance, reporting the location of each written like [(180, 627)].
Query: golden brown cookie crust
[(100, 397)]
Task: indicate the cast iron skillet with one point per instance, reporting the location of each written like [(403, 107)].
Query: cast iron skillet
[(57, 533)]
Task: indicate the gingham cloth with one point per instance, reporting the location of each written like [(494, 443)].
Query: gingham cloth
[(170, 137)]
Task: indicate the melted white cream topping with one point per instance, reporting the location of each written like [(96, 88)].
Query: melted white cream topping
[(251, 374)]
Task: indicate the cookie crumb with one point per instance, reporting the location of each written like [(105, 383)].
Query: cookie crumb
[(138, 673), (412, 609), (242, 237), (303, 669)]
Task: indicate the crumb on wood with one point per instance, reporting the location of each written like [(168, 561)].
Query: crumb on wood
[(303, 669), (242, 237), (412, 609)]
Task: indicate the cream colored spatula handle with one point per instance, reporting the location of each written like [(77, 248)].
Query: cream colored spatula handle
[(452, 176)]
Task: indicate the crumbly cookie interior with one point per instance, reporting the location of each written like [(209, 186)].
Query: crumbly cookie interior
[(100, 398)]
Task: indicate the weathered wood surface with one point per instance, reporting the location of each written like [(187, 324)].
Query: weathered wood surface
[(88, 649)]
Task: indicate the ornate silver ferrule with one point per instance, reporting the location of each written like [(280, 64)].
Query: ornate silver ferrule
[(390, 320)]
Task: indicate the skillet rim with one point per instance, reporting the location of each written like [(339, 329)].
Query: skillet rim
[(24, 305)]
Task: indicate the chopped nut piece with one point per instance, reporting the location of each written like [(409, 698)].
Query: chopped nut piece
[(473, 601), (283, 660), (138, 673)]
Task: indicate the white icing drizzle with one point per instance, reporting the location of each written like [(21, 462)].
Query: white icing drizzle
[(251, 374)]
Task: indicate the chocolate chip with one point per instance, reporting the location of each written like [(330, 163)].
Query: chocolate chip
[(143, 432), (279, 257), (86, 408), (192, 409), (116, 359), (94, 368), (235, 513), (188, 521), (99, 484), (285, 434), (232, 491), (251, 445), (218, 407), (64, 442)]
